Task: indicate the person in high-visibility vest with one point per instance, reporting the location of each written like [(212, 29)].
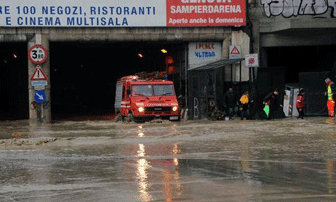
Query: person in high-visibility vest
[(331, 99)]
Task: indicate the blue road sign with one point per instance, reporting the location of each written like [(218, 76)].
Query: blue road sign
[(40, 96)]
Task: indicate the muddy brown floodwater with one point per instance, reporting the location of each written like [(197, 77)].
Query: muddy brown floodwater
[(281, 160)]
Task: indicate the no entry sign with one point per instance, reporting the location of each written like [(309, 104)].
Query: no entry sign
[(37, 54)]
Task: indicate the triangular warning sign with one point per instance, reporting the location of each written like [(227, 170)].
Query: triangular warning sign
[(38, 75), (235, 51)]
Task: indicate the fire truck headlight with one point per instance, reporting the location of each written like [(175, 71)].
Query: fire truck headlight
[(141, 109), (175, 108)]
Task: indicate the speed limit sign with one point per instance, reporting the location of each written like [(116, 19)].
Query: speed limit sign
[(37, 54)]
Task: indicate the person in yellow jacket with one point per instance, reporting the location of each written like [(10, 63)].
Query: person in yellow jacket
[(244, 108), (331, 98)]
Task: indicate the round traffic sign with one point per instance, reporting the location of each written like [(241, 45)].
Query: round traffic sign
[(40, 96), (37, 54)]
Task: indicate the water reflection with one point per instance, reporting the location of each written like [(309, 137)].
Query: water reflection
[(155, 164), (176, 149), (330, 174), (330, 164), (172, 185), (245, 156), (142, 174), (152, 172)]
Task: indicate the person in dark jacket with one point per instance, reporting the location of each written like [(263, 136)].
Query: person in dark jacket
[(230, 102), (273, 101)]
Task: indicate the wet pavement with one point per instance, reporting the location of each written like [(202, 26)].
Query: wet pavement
[(281, 160)]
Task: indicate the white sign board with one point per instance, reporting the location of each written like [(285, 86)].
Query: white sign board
[(201, 53), (122, 13), (39, 85), (235, 52), (251, 60), (82, 13)]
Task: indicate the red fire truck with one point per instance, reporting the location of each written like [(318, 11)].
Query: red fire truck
[(143, 97)]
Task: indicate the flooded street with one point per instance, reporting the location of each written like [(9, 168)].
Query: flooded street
[(281, 160)]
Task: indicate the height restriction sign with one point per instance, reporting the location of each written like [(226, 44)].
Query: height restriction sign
[(37, 54)]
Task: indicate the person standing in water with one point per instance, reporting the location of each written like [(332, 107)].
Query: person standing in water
[(300, 103)]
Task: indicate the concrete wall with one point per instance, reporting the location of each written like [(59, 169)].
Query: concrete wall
[(291, 23), (239, 72), (117, 34), (279, 23), (274, 16), (43, 36)]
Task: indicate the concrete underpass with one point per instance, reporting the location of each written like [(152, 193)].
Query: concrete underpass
[(83, 65), (83, 75), (13, 81), (302, 59)]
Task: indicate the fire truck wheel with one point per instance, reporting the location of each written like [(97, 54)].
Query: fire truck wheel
[(130, 117), (119, 118)]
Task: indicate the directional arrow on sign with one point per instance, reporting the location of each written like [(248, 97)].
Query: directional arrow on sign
[(40, 97)]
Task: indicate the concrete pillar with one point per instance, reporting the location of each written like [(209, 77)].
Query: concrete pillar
[(34, 115), (263, 57), (240, 38), (226, 48), (225, 56)]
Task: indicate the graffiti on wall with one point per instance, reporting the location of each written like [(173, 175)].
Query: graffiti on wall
[(290, 8)]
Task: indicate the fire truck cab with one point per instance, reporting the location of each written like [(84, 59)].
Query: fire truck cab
[(140, 99)]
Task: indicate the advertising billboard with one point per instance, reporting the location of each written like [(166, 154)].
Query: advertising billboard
[(122, 13), (193, 13)]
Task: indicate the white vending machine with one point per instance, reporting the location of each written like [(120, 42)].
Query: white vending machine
[(291, 93)]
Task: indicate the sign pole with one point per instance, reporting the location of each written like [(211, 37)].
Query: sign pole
[(38, 77), (42, 113), (240, 71)]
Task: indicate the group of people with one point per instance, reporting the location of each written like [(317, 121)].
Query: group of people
[(231, 102), (300, 101), (271, 102), (243, 104)]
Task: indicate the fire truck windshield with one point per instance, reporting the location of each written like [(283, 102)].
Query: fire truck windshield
[(161, 90), (152, 90), (142, 90)]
